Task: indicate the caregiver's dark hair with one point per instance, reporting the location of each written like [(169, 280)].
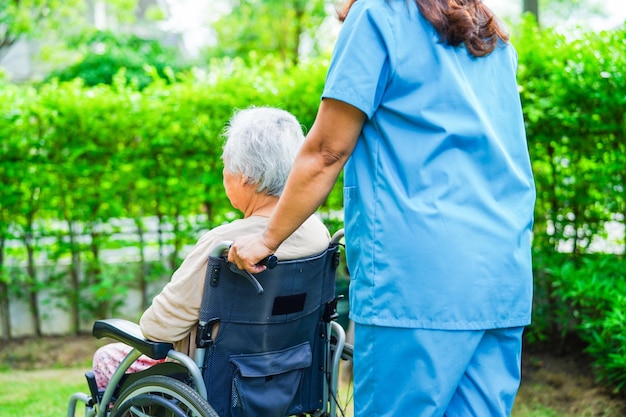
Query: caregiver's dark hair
[(458, 22)]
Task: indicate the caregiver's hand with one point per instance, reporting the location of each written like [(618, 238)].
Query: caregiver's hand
[(247, 251)]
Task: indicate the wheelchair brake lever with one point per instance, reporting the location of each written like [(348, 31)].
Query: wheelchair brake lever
[(270, 262), (255, 282)]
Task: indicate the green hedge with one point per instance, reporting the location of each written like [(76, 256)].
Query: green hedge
[(76, 160), (573, 93), (80, 167)]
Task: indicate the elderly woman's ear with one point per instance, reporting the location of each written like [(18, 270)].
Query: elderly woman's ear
[(249, 181)]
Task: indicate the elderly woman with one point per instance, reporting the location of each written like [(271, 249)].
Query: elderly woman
[(261, 144)]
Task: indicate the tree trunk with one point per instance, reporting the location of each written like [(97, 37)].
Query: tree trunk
[(554, 203), (74, 292), (4, 298), (532, 6), (33, 292), (103, 306), (620, 136), (297, 33), (177, 243), (143, 265)]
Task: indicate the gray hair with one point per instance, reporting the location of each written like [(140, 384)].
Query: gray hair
[(261, 144)]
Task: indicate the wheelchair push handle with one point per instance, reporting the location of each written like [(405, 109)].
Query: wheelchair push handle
[(221, 250)]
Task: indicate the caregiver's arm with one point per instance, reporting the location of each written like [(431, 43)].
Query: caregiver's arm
[(326, 149)]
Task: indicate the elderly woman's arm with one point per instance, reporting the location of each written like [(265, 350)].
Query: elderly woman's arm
[(174, 311), (328, 146)]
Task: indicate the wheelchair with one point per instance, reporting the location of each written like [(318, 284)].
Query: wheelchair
[(277, 352)]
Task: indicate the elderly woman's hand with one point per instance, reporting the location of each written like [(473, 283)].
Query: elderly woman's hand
[(247, 251)]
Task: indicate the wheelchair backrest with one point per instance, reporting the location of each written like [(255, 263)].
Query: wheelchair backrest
[(268, 359)]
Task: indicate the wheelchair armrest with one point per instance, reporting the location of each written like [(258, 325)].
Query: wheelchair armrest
[(129, 333)]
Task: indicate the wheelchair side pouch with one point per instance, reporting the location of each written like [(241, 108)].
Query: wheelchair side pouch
[(264, 385)]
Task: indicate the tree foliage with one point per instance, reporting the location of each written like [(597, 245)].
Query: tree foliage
[(105, 53), (32, 17), (550, 12), (269, 27), (44, 18), (575, 112)]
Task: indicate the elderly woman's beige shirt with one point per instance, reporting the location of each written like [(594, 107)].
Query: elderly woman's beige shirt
[(173, 315)]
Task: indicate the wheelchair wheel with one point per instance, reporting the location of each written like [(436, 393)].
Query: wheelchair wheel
[(161, 396)]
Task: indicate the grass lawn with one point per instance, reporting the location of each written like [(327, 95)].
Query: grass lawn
[(46, 394), (39, 393)]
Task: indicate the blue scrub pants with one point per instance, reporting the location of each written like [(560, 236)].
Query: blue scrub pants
[(436, 373)]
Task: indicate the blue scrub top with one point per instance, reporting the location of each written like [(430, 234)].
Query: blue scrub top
[(439, 193)]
